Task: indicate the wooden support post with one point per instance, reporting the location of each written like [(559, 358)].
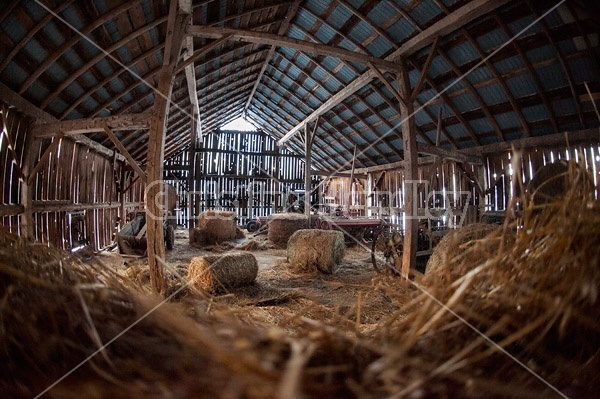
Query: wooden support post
[(409, 140), (122, 194), (275, 181), (156, 149), (192, 169), (307, 154), (438, 136), (351, 180)]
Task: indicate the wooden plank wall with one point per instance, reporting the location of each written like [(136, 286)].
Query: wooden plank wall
[(243, 172), (73, 179), (15, 132), (443, 187), (500, 171)]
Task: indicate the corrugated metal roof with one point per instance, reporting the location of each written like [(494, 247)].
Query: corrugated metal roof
[(297, 83)]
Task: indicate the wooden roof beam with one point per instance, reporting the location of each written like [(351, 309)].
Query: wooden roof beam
[(282, 29), (284, 41), (79, 126), (55, 54), (446, 25), (14, 99)]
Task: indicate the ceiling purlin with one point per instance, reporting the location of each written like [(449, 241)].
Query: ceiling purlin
[(31, 32), (150, 53), (563, 64), (449, 104), (501, 83), (102, 55), (292, 94), (362, 17), (75, 38), (291, 13), (330, 75)]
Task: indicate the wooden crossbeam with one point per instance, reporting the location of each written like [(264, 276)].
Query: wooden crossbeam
[(11, 210), (549, 140), (89, 125), (452, 155), (284, 41)]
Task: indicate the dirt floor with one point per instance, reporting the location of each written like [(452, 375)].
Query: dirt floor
[(354, 295)]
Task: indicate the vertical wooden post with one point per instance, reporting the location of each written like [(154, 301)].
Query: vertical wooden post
[(32, 147), (156, 148), (275, 180), (192, 169), (351, 181), (122, 194), (307, 166), (409, 140)]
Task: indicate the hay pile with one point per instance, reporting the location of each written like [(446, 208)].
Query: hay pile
[(315, 250), (214, 227), (220, 273), (283, 225), (454, 243), (530, 290)]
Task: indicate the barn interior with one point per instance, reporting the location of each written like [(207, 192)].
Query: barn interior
[(301, 198)]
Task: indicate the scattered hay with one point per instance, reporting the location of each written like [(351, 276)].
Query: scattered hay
[(239, 233), (253, 245), (283, 225), (220, 273), (315, 250), (531, 288), (454, 243)]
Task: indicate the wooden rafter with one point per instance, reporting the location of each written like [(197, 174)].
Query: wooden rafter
[(284, 41), (446, 25), (78, 126), (142, 57), (501, 82), (56, 54), (563, 64), (282, 30), (102, 55), (366, 20), (331, 75), (31, 32), (475, 94), (449, 104)]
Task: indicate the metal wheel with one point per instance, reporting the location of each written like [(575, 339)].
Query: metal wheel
[(252, 226), (386, 250)]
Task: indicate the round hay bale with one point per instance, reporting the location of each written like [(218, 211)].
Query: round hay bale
[(283, 225), (216, 226), (312, 250), (217, 273), (451, 244)]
